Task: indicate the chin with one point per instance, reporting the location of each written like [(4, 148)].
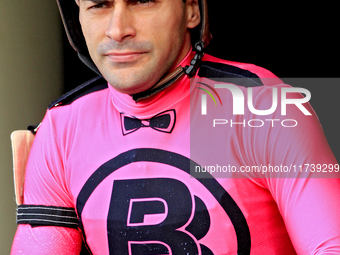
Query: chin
[(135, 83), (129, 87)]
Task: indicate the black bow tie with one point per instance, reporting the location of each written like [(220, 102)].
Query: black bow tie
[(163, 122)]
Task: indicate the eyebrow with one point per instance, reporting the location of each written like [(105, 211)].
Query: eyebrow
[(100, 1)]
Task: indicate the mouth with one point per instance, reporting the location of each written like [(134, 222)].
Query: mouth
[(124, 57)]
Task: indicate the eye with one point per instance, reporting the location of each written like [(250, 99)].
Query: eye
[(144, 1)]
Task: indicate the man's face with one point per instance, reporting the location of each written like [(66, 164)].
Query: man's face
[(135, 43)]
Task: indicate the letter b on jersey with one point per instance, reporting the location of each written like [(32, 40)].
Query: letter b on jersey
[(146, 215)]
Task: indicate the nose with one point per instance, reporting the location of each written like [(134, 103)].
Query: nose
[(120, 26)]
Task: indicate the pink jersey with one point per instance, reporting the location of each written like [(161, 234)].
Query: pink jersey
[(125, 168)]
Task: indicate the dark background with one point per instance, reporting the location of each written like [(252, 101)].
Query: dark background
[(291, 40)]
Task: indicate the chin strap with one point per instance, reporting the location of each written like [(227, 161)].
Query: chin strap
[(175, 75)]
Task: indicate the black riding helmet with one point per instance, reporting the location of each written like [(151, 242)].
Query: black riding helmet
[(70, 16)]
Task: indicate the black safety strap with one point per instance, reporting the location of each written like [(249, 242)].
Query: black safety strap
[(175, 75), (41, 215)]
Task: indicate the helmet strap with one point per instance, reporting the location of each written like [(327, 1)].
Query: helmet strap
[(175, 75)]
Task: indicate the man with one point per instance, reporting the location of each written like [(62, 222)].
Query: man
[(116, 154)]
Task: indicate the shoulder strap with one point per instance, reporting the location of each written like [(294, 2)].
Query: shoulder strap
[(233, 74), (96, 84)]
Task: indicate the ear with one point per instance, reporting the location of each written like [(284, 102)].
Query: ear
[(193, 13)]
